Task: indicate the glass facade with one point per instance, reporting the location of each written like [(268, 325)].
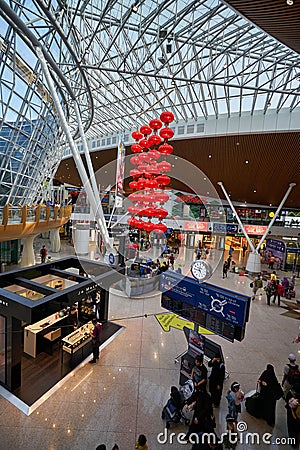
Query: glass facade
[(2, 349)]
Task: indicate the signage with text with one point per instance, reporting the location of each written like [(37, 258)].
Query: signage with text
[(195, 226), (255, 229)]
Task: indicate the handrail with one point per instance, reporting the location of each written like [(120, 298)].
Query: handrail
[(12, 215)]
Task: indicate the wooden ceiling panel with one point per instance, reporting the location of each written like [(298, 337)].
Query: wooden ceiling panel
[(273, 163), (276, 17)]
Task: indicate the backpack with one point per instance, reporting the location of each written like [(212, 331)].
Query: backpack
[(293, 375), (296, 413)]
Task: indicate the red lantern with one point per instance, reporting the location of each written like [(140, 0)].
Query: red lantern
[(152, 184), (163, 180), (167, 117), (154, 140), (154, 154), (133, 185), (141, 184), (134, 160), (136, 135), (143, 168), (166, 133), (131, 221), (135, 173), (133, 197), (161, 213), (164, 166), (153, 169), (166, 149), (145, 130), (142, 157), (155, 124), (160, 227), (139, 224), (136, 148), (161, 197), (148, 226), (133, 210), (144, 143)]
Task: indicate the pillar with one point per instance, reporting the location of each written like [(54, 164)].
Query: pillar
[(28, 258), (253, 263), (55, 240), (82, 237)]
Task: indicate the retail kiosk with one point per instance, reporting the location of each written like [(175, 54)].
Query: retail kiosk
[(45, 322)]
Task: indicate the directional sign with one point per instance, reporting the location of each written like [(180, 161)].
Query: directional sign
[(170, 320), (227, 305)]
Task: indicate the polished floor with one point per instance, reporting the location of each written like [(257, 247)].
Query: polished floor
[(123, 395)]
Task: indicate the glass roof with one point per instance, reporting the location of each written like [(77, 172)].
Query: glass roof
[(124, 62)]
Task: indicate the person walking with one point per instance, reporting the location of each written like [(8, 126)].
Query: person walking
[(216, 379), (96, 339), (270, 392), (225, 269), (270, 291), (288, 371), (256, 284), (279, 291), (293, 414), (43, 254)]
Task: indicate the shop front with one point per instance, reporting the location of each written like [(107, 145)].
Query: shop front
[(45, 323)]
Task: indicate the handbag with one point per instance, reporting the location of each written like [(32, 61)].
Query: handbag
[(251, 285)]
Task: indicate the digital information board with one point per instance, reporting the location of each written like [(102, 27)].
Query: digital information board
[(219, 310)]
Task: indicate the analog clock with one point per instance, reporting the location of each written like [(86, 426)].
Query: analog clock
[(201, 270)]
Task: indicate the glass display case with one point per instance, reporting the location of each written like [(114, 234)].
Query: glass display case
[(74, 341)]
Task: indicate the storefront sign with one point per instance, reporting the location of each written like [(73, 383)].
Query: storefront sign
[(255, 229), (225, 228), (226, 305), (195, 226)]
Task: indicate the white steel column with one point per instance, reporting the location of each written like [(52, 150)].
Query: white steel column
[(96, 206), (237, 217), (275, 215)]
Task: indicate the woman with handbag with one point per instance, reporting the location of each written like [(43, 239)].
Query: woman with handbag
[(270, 392)]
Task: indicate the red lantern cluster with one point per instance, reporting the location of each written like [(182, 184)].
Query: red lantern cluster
[(150, 175)]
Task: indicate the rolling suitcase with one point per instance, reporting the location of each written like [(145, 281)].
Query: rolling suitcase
[(252, 403)]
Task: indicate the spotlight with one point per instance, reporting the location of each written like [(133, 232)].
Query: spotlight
[(134, 8), (290, 2)]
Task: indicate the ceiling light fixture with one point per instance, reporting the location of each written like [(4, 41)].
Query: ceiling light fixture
[(134, 8), (290, 2)]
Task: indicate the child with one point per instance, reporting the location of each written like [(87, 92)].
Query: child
[(141, 442), (234, 397)]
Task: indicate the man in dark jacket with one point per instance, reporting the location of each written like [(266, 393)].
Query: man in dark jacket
[(216, 379), (203, 420), (96, 338)]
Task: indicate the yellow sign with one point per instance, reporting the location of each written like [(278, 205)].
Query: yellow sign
[(168, 320)]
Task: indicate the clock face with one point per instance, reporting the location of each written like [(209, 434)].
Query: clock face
[(201, 270)]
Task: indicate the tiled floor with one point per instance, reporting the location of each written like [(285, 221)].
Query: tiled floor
[(123, 395)]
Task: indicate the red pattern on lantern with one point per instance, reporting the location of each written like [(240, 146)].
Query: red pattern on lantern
[(155, 124), (136, 148), (136, 135), (167, 117), (166, 133), (154, 140), (145, 130), (166, 149)]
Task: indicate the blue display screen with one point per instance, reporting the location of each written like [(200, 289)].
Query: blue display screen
[(227, 305)]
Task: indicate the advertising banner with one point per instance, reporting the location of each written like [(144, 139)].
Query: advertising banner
[(226, 305), (120, 172), (195, 226), (255, 229), (277, 249)]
